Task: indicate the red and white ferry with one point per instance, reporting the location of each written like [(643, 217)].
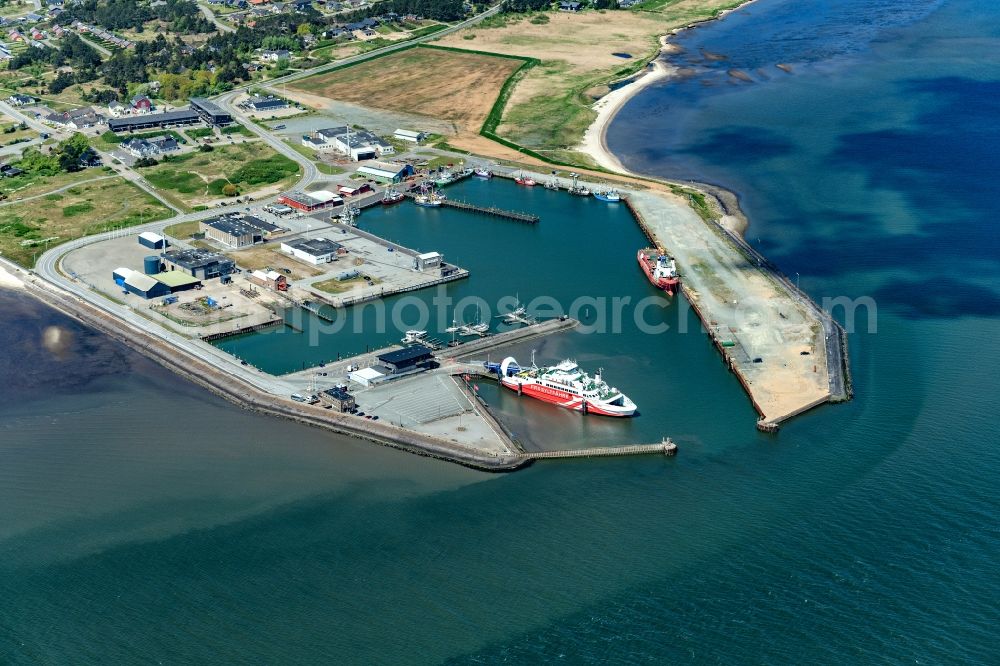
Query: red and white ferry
[(567, 386), (660, 269)]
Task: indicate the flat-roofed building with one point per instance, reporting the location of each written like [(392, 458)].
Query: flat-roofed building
[(154, 120), (338, 398), (259, 103), (232, 231), (152, 241), (177, 280), (406, 359), (358, 144), (366, 376), (202, 264), (312, 250), (210, 112), (427, 261), (310, 201)]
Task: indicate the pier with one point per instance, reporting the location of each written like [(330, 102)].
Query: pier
[(666, 447), (493, 211), (212, 337), (527, 218), (507, 338)]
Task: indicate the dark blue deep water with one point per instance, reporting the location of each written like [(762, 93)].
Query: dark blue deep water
[(144, 521)]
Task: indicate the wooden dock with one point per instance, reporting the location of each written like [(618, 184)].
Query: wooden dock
[(493, 211), (310, 307), (212, 337), (527, 218), (666, 447)]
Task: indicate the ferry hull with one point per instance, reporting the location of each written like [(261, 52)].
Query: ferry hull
[(567, 400)]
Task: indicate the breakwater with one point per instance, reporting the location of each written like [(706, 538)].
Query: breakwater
[(231, 387)]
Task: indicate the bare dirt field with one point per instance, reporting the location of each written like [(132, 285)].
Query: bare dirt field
[(459, 87)]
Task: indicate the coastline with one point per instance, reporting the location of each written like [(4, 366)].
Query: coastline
[(607, 107), (594, 143)]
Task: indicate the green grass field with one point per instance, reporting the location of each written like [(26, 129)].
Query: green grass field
[(198, 177), (27, 229)]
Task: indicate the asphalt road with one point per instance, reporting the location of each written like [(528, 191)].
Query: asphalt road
[(47, 266)]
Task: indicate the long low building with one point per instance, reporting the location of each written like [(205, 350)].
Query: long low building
[(199, 263), (210, 112), (386, 172), (310, 201), (153, 286), (154, 120), (237, 231)]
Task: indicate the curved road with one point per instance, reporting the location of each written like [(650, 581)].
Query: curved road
[(47, 267)]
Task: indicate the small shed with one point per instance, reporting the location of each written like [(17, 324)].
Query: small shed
[(409, 135), (270, 279), (427, 260), (152, 241)]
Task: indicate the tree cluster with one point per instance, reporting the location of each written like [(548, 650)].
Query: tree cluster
[(439, 10), (181, 15), (66, 156), (72, 51)]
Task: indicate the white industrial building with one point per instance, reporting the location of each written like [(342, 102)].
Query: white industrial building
[(366, 376), (312, 250), (358, 144), (409, 135)]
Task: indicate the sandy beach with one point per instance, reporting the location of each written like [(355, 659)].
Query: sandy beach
[(8, 280), (607, 108)]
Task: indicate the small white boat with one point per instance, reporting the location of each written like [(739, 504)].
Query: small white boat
[(414, 336)]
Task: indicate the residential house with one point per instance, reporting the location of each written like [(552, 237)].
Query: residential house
[(141, 104), (20, 100), (275, 56), (77, 118), (151, 147)]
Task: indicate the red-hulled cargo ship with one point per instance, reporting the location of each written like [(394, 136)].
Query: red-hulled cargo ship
[(660, 269)]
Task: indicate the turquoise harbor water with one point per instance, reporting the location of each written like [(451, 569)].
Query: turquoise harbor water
[(142, 520)]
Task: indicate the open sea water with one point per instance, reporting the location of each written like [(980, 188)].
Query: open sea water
[(143, 520)]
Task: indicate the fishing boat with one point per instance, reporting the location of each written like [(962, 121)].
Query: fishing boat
[(428, 200), (660, 269), (445, 178), (413, 337), (565, 385), (392, 197), (483, 173), (576, 188), (523, 180), (610, 196)]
